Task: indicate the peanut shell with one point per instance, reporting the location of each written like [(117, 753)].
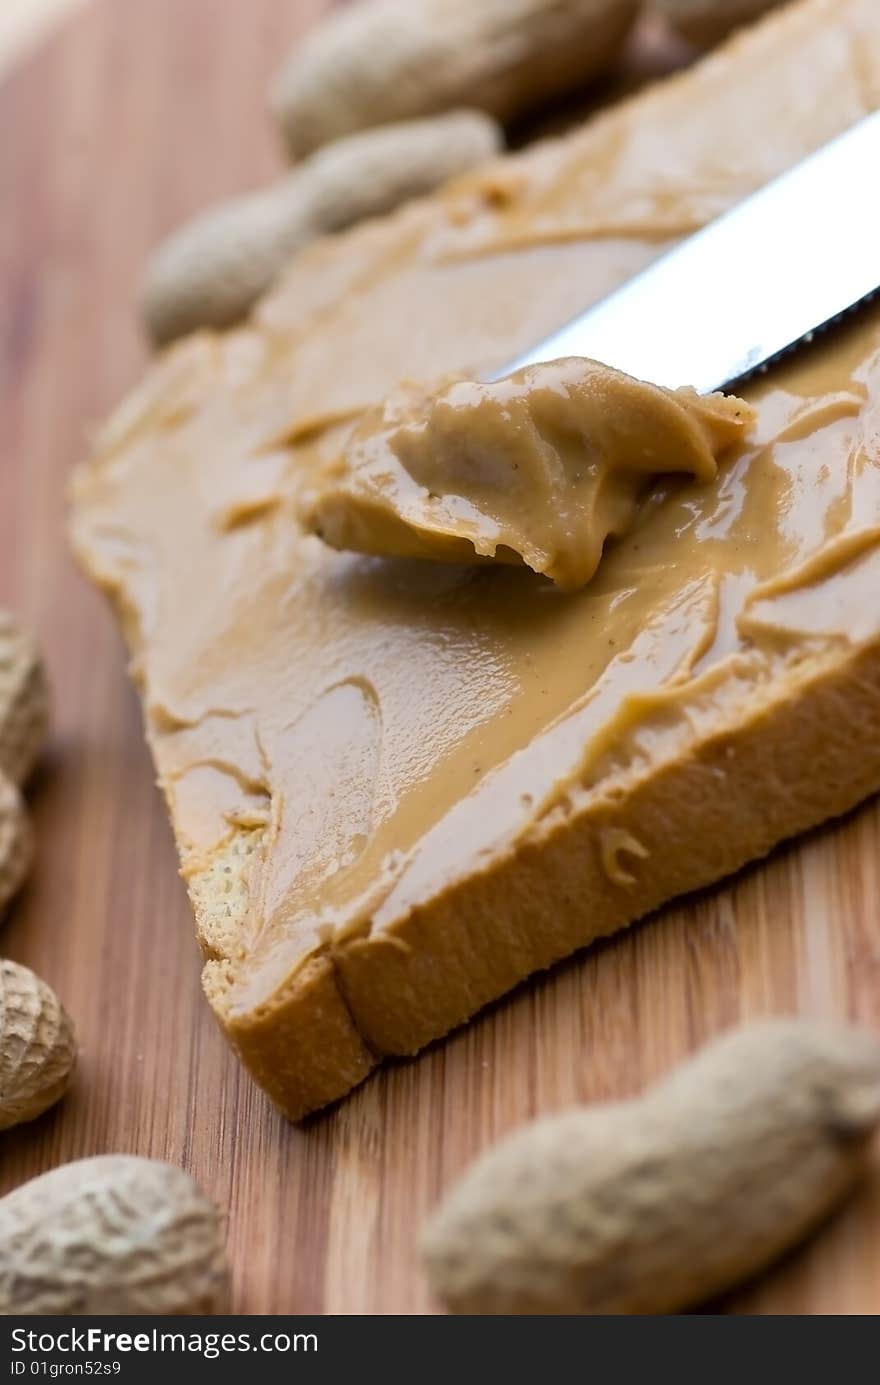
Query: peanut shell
[(24, 702), (114, 1234), (37, 1046), (651, 1205)]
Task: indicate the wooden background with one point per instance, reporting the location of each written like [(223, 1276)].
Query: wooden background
[(134, 114)]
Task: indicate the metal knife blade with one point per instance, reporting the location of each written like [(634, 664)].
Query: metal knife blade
[(766, 275)]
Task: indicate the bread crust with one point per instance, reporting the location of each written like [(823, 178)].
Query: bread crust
[(394, 991), (302, 1046)]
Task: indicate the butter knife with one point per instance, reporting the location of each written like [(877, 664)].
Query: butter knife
[(730, 299)]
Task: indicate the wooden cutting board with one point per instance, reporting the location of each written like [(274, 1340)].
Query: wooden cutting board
[(135, 114)]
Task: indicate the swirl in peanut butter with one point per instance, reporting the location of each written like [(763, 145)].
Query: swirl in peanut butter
[(541, 467)]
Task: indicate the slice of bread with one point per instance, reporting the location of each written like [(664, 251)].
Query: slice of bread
[(397, 790)]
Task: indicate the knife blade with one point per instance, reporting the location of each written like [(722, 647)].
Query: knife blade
[(724, 303)]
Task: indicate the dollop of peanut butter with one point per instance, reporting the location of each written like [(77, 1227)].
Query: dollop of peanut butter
[(540, 467)]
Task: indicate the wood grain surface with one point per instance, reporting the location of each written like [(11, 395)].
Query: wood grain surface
[(136, 113)]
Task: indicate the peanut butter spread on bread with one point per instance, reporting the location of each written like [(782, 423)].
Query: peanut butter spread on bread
[(539, 468), (399, 787)]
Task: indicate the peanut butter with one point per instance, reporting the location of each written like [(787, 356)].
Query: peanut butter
[(539, 468), (396, 749)]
